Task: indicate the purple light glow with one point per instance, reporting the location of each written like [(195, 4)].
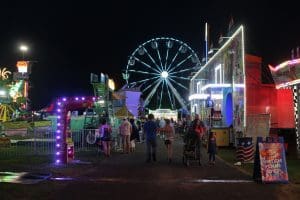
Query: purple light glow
[(59, 103), (76, 98), (58, 110), (58, 153), (58, 131), (58, 124), (82, 98), (57, 161), (58, 137), (57, 145), (58, 117), (94, 98), (64, 99)]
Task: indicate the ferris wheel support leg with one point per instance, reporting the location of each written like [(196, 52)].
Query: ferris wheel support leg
[(181, 101), (147, 100)]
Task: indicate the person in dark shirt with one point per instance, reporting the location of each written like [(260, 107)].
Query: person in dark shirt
[(212, 147), (150, 129)]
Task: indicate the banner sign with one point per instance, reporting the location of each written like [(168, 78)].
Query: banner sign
[(271, 161), (20, 76)]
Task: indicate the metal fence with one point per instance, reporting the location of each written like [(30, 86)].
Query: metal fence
[(42, 141)]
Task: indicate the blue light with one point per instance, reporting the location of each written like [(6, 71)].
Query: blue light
[(228, 109)]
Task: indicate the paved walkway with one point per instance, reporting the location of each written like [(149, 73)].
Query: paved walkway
[(127, 176)]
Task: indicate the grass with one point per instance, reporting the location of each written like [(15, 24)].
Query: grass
[(293, 165)]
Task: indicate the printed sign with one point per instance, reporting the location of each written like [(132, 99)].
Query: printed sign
[(272, 162), (20, 76)]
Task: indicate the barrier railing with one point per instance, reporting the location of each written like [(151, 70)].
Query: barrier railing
[(42, 141)]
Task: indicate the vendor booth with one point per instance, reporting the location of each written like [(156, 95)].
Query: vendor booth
[(228, 94)]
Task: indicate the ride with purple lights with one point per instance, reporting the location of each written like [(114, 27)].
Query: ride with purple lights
[(63, 106)]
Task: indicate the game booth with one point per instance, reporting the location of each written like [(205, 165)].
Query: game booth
[(228, 94)]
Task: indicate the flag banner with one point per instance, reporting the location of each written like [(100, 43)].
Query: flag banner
[(245, 149), (271, 161)]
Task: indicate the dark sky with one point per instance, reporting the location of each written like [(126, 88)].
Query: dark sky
[(70, 40)]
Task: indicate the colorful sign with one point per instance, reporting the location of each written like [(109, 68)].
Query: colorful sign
[(22, 66), (272, 162)]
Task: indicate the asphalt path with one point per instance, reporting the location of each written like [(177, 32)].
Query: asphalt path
[(128, 176)]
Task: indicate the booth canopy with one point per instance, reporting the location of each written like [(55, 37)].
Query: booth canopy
[(123, 112)]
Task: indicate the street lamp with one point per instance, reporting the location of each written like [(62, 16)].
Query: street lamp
[(24, 49)]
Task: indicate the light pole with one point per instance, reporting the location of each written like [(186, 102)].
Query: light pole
[(23, 49), (23, 68)]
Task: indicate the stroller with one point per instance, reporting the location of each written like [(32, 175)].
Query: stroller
[(190, 150)]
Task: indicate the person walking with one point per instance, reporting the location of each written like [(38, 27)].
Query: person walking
[(169, 138), (125, 132), (105, 135), (212, 147), (141, 134), (150, 130), (134, 135), (198, 129)]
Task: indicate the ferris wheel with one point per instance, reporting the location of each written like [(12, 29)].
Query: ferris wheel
[(161, 68)]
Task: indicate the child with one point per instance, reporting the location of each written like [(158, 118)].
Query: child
[(212, 147)]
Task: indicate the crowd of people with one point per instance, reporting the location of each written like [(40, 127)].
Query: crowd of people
[(132, 131)]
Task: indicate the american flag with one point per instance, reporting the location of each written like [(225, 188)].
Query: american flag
[(245, 149)]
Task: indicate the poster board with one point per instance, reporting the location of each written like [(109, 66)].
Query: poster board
[(270, 161)]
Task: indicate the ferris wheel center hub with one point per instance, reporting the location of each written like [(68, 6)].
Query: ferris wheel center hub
[(164, 74)]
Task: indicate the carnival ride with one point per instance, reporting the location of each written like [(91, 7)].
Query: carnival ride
[(162, 66), (12, 100), (6, 112)]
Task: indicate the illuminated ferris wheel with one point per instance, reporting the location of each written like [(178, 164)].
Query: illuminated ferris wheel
[(161, 68)]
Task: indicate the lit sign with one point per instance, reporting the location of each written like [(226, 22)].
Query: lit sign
[(22, 66), (111, 84)]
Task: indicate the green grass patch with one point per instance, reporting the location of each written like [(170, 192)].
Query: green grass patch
[(42, 123), (15, 125), (293, 166), (229, 156)]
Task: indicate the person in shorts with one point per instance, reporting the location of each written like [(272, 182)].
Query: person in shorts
[(105, 135), (125, 132), (169, 139)]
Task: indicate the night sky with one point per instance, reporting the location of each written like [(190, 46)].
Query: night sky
[(70, 40)]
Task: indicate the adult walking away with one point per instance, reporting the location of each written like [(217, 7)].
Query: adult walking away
[(150, 130), (134, 135), (105, 135), (125, 132), (212, 147), (169, 139), (141, 133)]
